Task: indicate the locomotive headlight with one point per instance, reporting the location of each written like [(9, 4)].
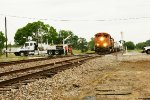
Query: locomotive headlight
[(101, 38), (97, 44), (105, 44)]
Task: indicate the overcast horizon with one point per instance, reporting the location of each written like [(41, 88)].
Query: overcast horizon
[(85, 17)]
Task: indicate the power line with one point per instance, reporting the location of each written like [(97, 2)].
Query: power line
[(101, 20), (22, 17)]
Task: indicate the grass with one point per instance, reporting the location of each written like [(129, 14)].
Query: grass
[(79, 52), (89, 51), (11, 57), (135, 50), (76, 52)]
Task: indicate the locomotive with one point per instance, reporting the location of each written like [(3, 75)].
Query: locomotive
[(104, 43)]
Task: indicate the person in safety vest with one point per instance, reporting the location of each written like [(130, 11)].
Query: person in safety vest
[(70, 50), (66, 50)]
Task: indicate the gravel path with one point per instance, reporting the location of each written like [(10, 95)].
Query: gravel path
[(128, 74)]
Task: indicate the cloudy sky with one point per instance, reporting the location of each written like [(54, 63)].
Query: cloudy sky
[(86, 17)]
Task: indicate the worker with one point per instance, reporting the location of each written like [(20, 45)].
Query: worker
[(66, 50), (70, 50), (35, 46)]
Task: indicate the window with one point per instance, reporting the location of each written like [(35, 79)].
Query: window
[(106, 35), (31, 44), (26, 44)]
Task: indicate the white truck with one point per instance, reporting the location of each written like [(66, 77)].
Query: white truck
[(146, 49), (31, 48)]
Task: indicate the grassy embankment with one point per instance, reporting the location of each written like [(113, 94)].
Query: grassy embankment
[(79, 52), (11, 57), (135, 50)]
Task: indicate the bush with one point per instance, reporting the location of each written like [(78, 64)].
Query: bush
[(2, 40), (130, 45)]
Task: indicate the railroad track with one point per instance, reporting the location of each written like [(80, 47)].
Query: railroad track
[(11, 79), (2, 64)]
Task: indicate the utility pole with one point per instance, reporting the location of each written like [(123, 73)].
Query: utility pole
[(122, 41), (6, 35), (37, 41), (121, 35)]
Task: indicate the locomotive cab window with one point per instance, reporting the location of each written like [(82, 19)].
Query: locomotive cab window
[(98, 35), (106, 35)]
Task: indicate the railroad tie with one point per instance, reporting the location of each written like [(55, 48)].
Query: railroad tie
[(144, 98)]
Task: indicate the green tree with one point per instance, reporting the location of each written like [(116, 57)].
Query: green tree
[(130, 45), (82, 45), (74, 41), (50, 36), (91, 44), (37, 30), (2, 40), (148, 43), (62, 35), (140, 45)]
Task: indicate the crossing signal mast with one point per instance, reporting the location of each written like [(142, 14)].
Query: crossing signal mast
[(122, 41)]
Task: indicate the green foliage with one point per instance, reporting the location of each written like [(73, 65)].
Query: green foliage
[(62, 35), (51, 35), (37, 30), (130, 45), (2, 40), (91, 44), (142, 44), (72, 40), (83, 45), (44, 33), (148, 43)]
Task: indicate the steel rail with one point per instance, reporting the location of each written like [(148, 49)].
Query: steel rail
[(59, 66), (35, 67), (3, 64)]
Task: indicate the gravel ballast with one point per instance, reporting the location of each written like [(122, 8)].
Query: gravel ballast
[(118, 73)]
